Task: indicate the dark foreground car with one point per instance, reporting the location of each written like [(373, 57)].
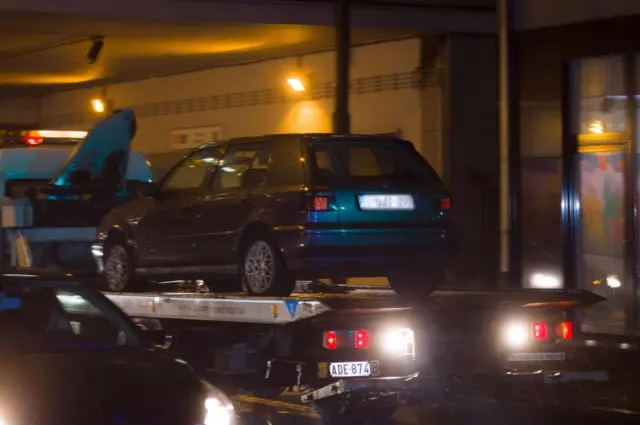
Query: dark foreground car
[(70, 356), (272, 209)]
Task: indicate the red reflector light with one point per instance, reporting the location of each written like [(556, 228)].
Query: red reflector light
[(362, 339), (320, 203), (540, 330), (565, 330), (32, 141), (445, 203), (330, 340)]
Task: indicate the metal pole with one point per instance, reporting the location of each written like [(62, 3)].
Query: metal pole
[(341, 117), (504, 133), (570, 202)]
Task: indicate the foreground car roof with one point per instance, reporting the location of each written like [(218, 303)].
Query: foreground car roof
[(26, 276)]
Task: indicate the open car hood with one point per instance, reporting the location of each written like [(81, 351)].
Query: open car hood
[(101, 159)]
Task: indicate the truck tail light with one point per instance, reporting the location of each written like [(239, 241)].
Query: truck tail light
[(565, 330), (540, 330), (361, 339), (445, 204), (330, 340), (32, 140)]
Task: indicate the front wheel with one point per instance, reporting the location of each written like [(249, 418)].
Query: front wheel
[(262, 269), (118, 271)]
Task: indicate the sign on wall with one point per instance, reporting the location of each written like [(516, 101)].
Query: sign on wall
[(188, 138)]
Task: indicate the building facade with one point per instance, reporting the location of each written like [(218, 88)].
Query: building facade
[(578, 75)]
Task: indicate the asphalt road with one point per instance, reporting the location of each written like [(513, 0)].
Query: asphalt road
[(287, 411)]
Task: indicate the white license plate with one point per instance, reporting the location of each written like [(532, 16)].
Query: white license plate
[(353, 369), (536, 357), (386, 202)]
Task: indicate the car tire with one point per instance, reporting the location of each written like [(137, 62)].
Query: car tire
[(118, 275), (262, 269), (415, 285), (330, 410)]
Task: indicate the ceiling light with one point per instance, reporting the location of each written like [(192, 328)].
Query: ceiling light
[(296, 84), (97, 105)]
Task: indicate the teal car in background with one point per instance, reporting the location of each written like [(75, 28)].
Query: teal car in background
[(263, 212)]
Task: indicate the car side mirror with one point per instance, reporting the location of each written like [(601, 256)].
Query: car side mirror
[(159, 338)]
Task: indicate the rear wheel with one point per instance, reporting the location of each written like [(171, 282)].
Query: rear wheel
[(262, 269)]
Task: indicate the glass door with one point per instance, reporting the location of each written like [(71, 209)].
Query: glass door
[(603, 172), (602, 238)]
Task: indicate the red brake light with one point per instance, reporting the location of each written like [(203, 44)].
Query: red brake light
[(32, 140), (540, 330), (445, 204), (565, 330), (320, 203), (330, 340), (362, 339)]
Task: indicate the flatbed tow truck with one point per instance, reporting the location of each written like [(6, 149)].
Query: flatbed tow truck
[(363, 350)]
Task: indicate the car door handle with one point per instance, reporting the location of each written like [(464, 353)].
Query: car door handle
[(188, 207), (246, 199)]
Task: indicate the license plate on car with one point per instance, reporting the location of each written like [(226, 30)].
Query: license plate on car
[(536, 357), (386, 202), (353, 369)]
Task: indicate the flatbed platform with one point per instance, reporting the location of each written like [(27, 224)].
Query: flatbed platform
[(237, 307)]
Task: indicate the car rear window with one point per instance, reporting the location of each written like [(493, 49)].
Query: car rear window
[(357, 160)]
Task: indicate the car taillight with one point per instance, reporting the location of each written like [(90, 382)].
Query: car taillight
[(317, 201), (330, 340), (361, 339), (445, 203), (320, 203), (32, 140), (540, 330), (565, 330)]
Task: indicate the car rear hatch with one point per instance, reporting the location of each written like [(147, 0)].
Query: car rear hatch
[(376, 182)]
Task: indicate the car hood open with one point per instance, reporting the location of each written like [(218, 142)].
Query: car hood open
[(101, 159)]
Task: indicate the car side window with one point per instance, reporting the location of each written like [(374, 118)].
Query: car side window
[(243, 165), (193, 171)]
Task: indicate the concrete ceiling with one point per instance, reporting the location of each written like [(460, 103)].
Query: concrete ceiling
[(41, 53)]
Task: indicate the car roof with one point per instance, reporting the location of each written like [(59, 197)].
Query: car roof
[(293, 136), (25, 276)]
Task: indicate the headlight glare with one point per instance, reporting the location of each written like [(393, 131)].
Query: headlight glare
[(399, 341), (516, 335), (218, 409)]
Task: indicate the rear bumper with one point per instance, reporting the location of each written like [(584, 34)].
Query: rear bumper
[(331, 252)]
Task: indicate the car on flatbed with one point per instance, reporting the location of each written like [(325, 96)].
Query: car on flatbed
[(263, 212), (69, 355)]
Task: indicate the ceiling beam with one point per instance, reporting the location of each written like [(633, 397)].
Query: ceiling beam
[(421, 18)]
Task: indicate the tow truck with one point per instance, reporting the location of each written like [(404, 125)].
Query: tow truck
[(359, 349), (63, 175)]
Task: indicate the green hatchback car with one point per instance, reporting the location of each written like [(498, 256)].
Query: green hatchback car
[(267, 211)]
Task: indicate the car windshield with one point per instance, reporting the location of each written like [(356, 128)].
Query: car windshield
[(50, 319), (362, 160)]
